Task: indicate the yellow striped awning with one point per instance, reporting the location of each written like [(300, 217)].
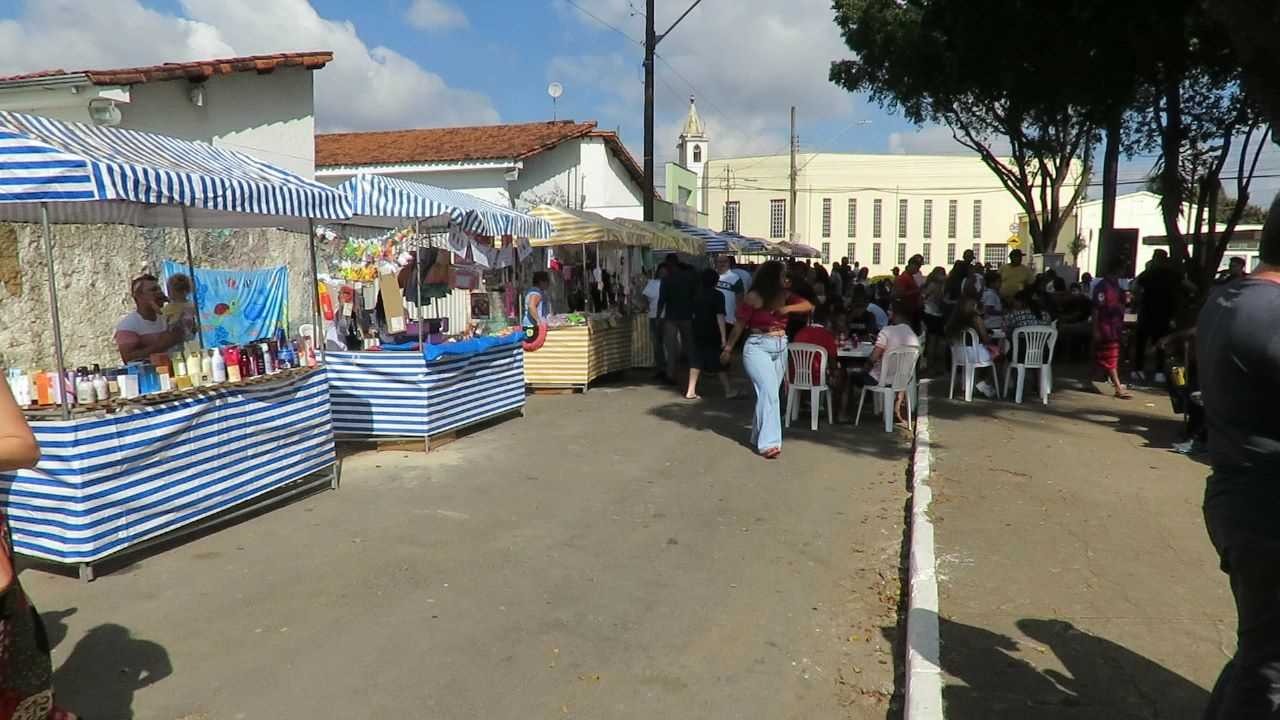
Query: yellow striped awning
[(665, 237), (576, 227)]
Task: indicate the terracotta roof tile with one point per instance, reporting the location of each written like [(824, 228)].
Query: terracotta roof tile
[(196, 70), (461, 144)]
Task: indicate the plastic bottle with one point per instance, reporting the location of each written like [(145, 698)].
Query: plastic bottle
[(84, 386), (195, 368), (101, 391), (231, 356), (268, 362), (206, 369), (250, 359), (179, 364), (217, 366)]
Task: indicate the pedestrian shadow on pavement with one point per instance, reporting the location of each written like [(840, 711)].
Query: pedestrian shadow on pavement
[(731, 419), (55, 626), (991, 677), (104, 670)]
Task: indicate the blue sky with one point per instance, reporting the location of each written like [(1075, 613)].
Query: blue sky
[(418, 63)]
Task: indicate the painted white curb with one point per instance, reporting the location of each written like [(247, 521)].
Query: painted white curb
[(924, 676)]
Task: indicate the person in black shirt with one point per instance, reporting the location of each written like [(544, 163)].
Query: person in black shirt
[(1238, 351), (709, 335), (675, 307), (1157, 298)]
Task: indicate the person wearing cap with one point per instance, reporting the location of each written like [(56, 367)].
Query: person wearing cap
[(1015, 276)]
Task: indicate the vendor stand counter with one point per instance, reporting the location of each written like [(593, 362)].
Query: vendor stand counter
[(575, 356), (108, 483), (400, 394)]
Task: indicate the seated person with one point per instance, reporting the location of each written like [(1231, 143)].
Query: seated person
[(1075, 326), (1021, 314), (895, 335), (992, 305), (862, 299), (968, 317), (861, 321)]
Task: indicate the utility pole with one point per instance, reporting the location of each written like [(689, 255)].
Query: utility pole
[(651, 40), (795, 145)]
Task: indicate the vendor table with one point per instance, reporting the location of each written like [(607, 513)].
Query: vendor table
[(573, 357), (399, 394), (107, 483), (641, 342)]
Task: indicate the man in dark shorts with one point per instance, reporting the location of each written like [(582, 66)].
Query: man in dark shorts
[(1238, 350)]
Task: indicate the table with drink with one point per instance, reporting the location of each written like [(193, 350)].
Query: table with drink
[(158, 446)]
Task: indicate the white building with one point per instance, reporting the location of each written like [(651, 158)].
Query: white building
[(693, 151), (261, 105), (560, 163), (877, 210), (1140, 212)]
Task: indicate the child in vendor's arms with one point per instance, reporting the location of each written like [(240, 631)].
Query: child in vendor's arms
[(179, 311)]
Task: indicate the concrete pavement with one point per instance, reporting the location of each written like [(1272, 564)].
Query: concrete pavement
[(618, 554), (1076, 578)]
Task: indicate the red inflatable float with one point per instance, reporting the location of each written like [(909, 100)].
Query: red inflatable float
[(534, 337)]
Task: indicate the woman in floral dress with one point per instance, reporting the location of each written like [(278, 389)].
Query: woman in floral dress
[(1108, 327), (26, 671)]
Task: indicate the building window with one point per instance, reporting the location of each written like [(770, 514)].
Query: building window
[(927, 254), (853, 217), (731, 214), (927, 232), (852, 257), (875, 252), (877, 213), (826, 217), (902, 253), (697, 153), (995, 254), (826, 252), (902, 219), (777, 218), (977, 219), (951, 253), (953, 215)]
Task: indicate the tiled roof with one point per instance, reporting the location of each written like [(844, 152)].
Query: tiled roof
[(461, 144), (196, 70)]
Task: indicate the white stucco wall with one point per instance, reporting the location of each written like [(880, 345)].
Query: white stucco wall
[(866, 178), (270, 117), (579, 171)]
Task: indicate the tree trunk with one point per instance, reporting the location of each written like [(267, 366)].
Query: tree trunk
[(1110, 180)]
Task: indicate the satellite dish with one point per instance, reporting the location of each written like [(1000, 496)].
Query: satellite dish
[(555, 90)]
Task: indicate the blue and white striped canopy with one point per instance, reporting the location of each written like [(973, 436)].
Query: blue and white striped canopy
[(714, 242), (390, 200), (90, 174)]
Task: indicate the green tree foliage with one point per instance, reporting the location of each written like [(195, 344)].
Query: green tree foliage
[(1022, 112)]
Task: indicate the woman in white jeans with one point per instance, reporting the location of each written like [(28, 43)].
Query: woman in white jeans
[(763, 313)]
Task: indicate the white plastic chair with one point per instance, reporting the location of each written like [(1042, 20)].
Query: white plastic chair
[(897, 375), (961, 358), (800, 358), (1034, 345)]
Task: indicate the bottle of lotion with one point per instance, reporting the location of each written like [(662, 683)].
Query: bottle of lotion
[(217, 366)]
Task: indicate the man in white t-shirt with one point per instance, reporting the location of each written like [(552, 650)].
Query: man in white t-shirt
[(652, 290), (895, 335), (731, 286), (741, 273), (145, 331)]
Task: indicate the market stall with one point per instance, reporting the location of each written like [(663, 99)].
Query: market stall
[(429, 379), (137, 454), (593, 339)]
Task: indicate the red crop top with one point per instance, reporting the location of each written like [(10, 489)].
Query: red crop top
[(761, 320)]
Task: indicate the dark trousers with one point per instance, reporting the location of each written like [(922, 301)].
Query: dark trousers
[(655, 337), (1150, 331), (677, 342), (1245, 534)]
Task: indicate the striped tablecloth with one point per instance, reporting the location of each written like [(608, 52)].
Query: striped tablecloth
[(110, 482), (398, 394), (576, 356)]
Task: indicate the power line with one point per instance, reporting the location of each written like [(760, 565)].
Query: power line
[(603, 22)]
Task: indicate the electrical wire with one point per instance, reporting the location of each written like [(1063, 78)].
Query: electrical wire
[(603, 22)]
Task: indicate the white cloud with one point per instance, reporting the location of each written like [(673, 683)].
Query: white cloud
[(363, 88), (747, 61), (435, 15)]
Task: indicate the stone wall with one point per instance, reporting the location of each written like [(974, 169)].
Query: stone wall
[(93, 266)]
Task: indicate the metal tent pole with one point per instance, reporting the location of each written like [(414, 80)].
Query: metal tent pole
[(319, 334), (53, 309), (191, 273)]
